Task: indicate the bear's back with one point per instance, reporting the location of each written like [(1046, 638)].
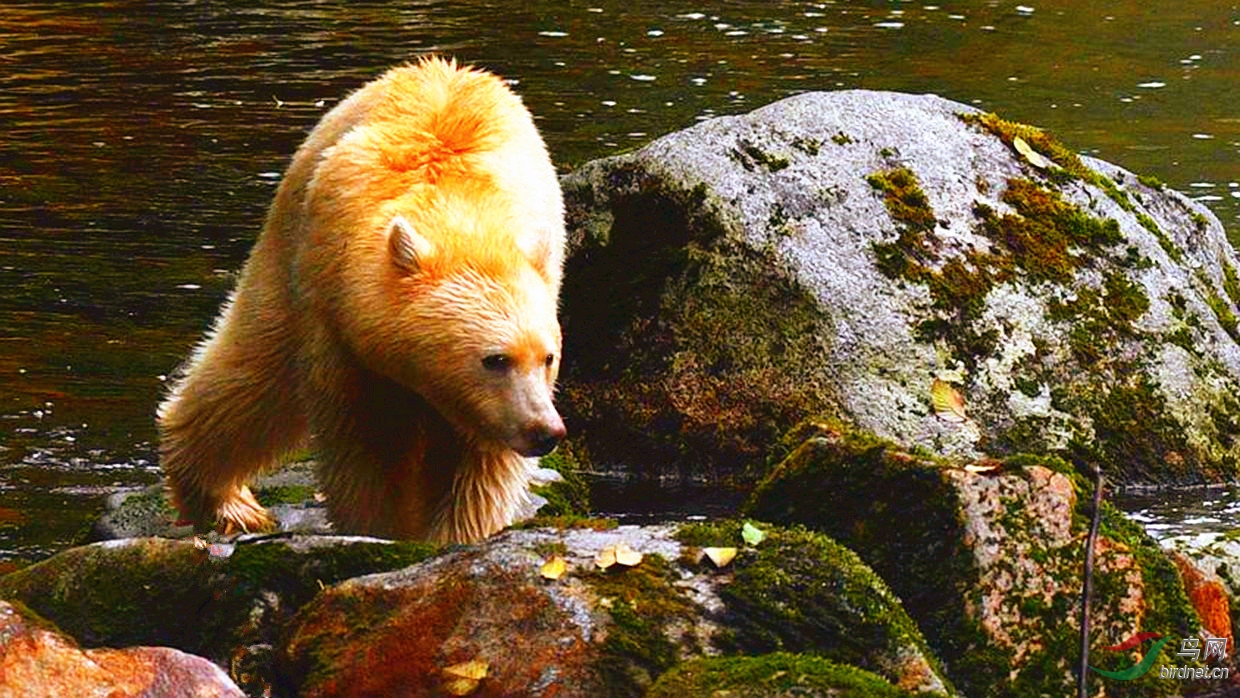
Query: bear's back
[(433, 139)]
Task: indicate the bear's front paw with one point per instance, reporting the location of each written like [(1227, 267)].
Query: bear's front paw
[(240, 512)]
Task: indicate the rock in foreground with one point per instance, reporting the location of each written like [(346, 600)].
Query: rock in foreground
[(604, 632), (35, 660), (988, 558)]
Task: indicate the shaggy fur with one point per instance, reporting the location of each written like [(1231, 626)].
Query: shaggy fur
[(397, 314)]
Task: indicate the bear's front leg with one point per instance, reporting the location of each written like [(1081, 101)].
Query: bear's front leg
[(233, 511), (232, 414)]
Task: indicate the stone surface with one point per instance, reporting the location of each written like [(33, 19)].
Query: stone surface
[(837, 252), (987, 559), (36, 660)]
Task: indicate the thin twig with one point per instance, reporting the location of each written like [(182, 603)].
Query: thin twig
[(1082, 678)]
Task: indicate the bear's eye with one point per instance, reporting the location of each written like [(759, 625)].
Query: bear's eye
[(497, 362), (550, 360)]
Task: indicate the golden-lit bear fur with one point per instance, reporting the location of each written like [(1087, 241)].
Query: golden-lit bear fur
[(397, 315)]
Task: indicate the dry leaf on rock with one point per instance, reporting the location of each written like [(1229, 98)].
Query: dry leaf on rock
[(605, 557), (947, 401), (554, 567), (463, 679), (982, 466), (720, 556), (752, 534), (1034, 157), (627, 556), (619, 553)]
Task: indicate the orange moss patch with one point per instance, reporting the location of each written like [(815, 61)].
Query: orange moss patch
[(397, 637), (1208, 597)]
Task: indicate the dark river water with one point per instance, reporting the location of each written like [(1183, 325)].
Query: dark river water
[(140, 143)]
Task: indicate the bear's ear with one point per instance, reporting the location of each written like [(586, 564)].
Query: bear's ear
[(542, 254), (408, 249)]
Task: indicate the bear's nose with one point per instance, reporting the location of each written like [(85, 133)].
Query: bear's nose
[(544, 445), (544, 438)]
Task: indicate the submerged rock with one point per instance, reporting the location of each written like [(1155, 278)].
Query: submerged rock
[(838, 252), (291, 495), (288, 493), (988, 558), (36, 660)]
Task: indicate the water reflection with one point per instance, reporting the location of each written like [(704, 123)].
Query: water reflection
[(142, 144)]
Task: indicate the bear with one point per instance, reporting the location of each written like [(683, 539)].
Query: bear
[(398, 315)]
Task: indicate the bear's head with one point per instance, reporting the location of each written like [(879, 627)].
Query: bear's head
[(475, 330)]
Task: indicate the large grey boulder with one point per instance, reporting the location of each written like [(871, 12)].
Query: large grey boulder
[(838, 252)]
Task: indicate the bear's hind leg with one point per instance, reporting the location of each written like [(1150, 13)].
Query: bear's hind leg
[(232, 414)]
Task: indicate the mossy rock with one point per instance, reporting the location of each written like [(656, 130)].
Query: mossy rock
[(609, 631), (799, 591), (987, 560), (772, 676), (226, 601)]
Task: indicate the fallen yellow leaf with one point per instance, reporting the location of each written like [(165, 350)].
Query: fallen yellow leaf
[(984, 466), (1034, 157), (627, 556), (475, 669), (460, 687), (554, 567), (948, 403), (463, 679), (605, 557), (720, 556)]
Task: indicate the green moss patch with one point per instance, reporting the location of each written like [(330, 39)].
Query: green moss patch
[(863, 491), (1045, 228), (644, 605), (1072, 167), (904, 198), (1044, 239), (285, 494), (1069, 163), (751, 157), (570, 496), (800, 591), (1219, 306), (1134, 439), (568, 521), (776, 674), (1038, 139)]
